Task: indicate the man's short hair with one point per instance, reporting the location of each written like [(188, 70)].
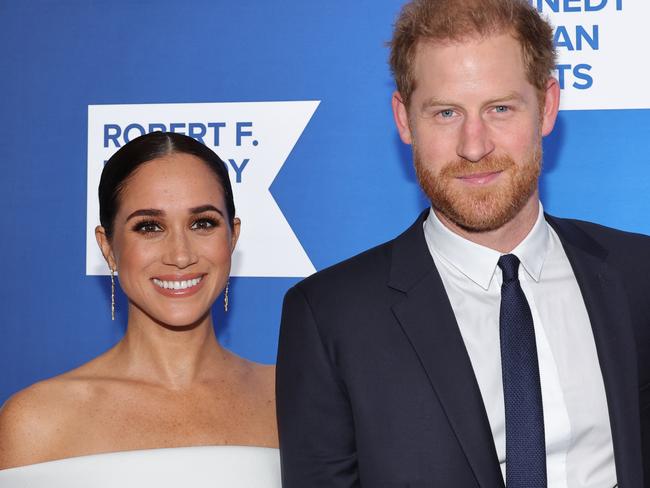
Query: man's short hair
[(459, 20)]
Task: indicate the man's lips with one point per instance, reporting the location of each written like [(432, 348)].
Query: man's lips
[(480, 178), (178, 285)]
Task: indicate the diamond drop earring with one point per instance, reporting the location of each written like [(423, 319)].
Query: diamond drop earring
[(112, 294), (225, 297)]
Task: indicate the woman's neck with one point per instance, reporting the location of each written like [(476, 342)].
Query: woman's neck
[(172, 357)]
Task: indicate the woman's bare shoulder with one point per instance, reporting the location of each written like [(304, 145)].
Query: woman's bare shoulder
[(255, 374), (33, 421), (257, 387), (266, 372), (264, 381)]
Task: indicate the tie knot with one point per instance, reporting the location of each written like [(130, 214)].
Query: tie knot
[(509, 264)]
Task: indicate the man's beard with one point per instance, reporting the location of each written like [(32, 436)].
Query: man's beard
[(480, 209)]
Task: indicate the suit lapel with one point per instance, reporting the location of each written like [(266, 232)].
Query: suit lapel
[(428, 320), (608, 311)]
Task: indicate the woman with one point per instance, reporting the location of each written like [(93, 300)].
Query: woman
[(168, 228)]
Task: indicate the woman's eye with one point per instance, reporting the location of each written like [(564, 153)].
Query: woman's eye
[(148, 227), (203, 224)]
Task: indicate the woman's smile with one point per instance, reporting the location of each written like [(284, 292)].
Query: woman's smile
[(178, 286)]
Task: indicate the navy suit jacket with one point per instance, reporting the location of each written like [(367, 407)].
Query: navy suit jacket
[(375, 387)]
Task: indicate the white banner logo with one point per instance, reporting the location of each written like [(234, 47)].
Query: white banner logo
[(252, 138), (599, 45)]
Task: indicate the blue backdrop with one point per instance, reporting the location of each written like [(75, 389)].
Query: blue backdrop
[(347, 185)]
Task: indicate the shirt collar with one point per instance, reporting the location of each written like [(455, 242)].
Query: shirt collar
[(478, 262), (532, 251)]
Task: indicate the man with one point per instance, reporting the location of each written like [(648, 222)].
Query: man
[(490, 343)]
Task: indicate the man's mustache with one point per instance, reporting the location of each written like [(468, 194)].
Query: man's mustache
[(465, 168)]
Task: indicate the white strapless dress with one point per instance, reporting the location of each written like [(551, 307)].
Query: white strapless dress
[(182, 467)]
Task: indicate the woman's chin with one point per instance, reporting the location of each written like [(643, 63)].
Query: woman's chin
[(184, 321), (178, 319)]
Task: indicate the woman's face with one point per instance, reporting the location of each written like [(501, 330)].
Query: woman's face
[(171, 243)]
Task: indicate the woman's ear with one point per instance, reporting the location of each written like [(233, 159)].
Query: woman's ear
[(236, 228), (105, 247)]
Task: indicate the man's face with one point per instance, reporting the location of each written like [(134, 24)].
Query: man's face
[(475, 123)]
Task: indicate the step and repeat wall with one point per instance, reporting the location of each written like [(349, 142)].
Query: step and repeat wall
[(295, 98)]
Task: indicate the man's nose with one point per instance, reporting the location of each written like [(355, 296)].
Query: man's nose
[(475, 141)]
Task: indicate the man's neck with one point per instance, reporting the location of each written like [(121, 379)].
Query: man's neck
[(505, 238)]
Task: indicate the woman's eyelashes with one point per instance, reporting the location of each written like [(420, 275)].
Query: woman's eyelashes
[(201, 223), (147, 226), (204, 223)]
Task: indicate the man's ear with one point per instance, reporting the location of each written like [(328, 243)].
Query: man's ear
[(105, 247), (401, 118), (551, 105)]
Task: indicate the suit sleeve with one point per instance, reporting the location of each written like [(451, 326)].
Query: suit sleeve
[(314, 416)]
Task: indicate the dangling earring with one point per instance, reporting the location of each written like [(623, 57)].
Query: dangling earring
[(225, 297), (112, 294)]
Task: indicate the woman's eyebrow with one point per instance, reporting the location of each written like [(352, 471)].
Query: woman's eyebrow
[(205, 208), (148, 212)]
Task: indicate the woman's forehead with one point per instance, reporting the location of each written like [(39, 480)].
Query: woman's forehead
[(174, 180)]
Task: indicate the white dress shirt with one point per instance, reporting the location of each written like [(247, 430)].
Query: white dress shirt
[(579, 450)]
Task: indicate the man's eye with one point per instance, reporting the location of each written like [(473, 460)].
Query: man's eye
[(203, 224), (445, 114), (501, 109)]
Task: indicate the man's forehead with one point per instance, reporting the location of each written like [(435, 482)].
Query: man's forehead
[(473, 56), (462, 40), (491, 71)]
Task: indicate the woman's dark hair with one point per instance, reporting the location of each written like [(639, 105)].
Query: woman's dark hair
[(142, 150)]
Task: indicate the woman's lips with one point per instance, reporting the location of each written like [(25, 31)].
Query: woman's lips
[(178, 286), (480, 178)]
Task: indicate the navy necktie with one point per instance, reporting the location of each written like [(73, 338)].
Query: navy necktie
[(522, 394)]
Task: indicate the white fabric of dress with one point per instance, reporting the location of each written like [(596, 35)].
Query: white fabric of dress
[(187, 467)]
